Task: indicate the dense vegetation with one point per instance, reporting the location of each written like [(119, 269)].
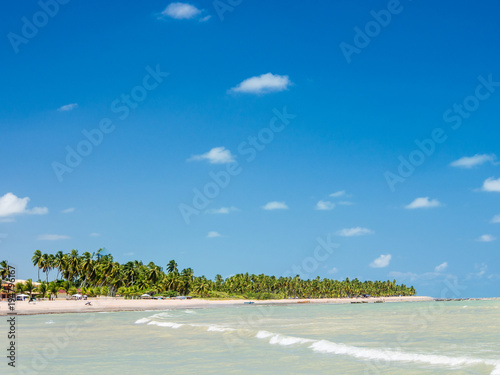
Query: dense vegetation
[(98, 274)]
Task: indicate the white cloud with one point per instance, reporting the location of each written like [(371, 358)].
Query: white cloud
[(486, 238), (263, 84), (491, 185), (496, 219), (382, 261), (94, 234), (68, 210), (181, 11), (217, 155), (275, 206), (443, 266), (423, 202), (472, 161), (332, 271), (481, 271), (205, 19), (52, 237), (325, 205), (337, 194), (351, 232), (12, 205), (68, 107), (222, 210), (213, 234)]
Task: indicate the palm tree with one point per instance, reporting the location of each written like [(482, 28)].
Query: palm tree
[(36, 260), (4, 270), (53, 289), (30, 287), (172, 267), (43, 288)]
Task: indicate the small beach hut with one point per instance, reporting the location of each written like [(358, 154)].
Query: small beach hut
[(145, 296)]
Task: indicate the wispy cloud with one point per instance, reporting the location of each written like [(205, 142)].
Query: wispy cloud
[(332, 271), (442, 267), (338, 194), (481, 271), (491, 185), (352, 232), (495, 219), (11, 205), (94, 234), (68, 210), (473, 161), (213, 234), (325, 205), (68, 107), (486, 238), (52, 237), (423, 202), (275, 206), (221, 210), (345, 203), (217, 155), (263, 84), (181, 11), (382, 261)]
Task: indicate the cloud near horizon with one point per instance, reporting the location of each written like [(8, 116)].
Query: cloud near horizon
[(423, 202), (382, 261), (68, 107), (11, 205), (443, 266), (491, 185), (217, 155), (52, 237), (68, 210), (351, 232), (275, 206), (181, 11), (263, 84), (473, 161)]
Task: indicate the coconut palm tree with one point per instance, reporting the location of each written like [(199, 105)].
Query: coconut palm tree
[(30, 287), (36, 259), (172, 267)]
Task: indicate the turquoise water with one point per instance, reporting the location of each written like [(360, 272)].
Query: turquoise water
[(392, 338)]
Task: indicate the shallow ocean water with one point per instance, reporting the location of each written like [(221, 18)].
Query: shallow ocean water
[(391, 338)]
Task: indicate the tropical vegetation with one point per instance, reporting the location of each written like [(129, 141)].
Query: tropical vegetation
[(98, 274)]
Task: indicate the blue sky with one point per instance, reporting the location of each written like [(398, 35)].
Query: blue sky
[(311, 116)]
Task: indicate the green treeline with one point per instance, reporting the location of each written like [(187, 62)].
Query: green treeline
[(98, 274)]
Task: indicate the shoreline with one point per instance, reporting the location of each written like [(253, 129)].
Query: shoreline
[(109, 304)]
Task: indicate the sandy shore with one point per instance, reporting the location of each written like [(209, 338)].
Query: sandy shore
[(119, 304)]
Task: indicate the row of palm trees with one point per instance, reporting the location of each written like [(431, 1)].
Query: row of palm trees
[(98, 274)]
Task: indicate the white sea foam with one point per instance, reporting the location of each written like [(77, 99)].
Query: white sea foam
[(264, 334), (324, 346), (165, 324), (216, 328), (50, 322), (142, 321), (189, 312)]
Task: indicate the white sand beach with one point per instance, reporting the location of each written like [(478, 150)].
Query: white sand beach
[(119, 304)]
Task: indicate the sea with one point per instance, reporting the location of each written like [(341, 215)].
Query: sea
[(454, 337)]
